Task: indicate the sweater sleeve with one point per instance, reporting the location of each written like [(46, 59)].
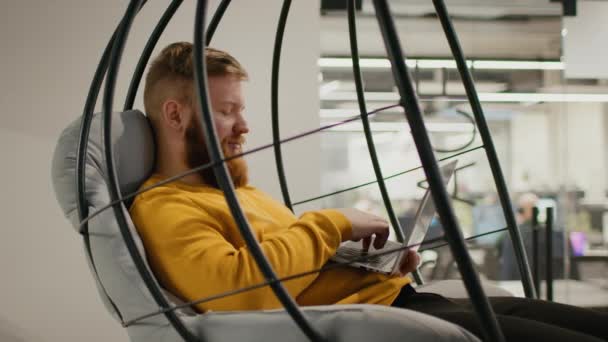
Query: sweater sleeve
[(193, 256)]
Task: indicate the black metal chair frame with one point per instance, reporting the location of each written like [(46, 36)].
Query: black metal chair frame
[(108, 68)]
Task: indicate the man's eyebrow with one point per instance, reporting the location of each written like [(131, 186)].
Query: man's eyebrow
[(233, 103)]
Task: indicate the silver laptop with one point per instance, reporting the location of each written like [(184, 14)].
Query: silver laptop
[(413, 236)]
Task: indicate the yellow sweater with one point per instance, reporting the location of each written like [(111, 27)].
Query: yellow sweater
[(195, 249)]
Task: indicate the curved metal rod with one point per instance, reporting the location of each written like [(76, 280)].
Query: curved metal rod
[(354, 51), (385, 178), (326, 267), (81, 158), (153, 40), (83, 140), (352, 29), (215, 20), (454, 195), (468, 143), (484, 131), (85, 125), (225, 182), (365, 121), (490, 328), (113, 187), (274, 101), (147, 52)]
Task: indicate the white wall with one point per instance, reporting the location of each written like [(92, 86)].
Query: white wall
[(560, 144), (583, 149), (49, 52), (585, 49), (530, 149)]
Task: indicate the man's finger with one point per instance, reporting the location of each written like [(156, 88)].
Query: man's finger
[(410, 262), (380, 240), (381, 220), (366, 242)]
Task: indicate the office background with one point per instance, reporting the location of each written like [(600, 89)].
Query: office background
[(50, 50)]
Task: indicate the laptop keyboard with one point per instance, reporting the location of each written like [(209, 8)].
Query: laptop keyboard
[(377, 261)]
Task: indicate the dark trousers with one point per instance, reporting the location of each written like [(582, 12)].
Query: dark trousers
[(521, 319)]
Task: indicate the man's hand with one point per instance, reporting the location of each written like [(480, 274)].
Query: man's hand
[(365, 225), (409, 263)]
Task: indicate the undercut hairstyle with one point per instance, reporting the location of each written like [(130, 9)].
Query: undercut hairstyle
[(171, 74)]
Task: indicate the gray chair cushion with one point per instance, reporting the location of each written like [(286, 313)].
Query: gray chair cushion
[(134, 153), (337, 322), (133, 157), (348, 323)]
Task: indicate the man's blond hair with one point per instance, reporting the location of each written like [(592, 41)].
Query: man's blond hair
[(171, 74)]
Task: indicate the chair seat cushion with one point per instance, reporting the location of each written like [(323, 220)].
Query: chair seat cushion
[(349, 323)]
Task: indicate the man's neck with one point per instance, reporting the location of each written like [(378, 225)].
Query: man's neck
[(173, 164)]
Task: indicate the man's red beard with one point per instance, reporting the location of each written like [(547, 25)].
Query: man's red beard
[(197, 155)]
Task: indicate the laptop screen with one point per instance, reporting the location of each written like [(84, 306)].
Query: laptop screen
[(415, 235)]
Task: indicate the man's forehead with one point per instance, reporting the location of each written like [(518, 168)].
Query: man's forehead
[(223, 82), (226, 91)]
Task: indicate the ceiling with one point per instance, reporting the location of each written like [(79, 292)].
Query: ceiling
[(513, 29), (488, 29), (476, 9)]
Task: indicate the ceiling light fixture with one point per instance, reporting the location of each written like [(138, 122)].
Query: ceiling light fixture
[(483, 97), (383, 63), (381, 127)]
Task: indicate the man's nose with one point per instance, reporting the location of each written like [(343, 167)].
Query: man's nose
[(240, 126)]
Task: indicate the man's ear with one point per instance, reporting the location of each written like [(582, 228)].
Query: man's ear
[(174, 115)]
